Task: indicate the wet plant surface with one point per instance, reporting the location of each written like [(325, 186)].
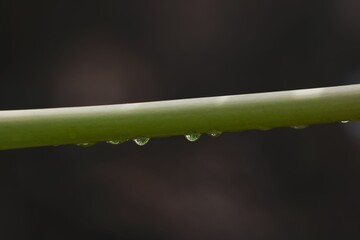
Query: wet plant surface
[(276, 184)]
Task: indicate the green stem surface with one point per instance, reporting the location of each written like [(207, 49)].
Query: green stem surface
[(45, 127)]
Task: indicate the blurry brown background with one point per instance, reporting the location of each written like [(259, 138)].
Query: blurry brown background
[(278, 184)]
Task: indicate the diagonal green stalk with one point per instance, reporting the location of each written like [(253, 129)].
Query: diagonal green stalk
[(44, 127)]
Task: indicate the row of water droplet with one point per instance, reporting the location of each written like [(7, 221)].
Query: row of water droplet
[(192, 137)]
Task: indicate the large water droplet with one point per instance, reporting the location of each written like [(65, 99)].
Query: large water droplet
[(115, 142), (300, 126), (193, 137), (85, 144), (141, 141), (345, 121), (215, 133)]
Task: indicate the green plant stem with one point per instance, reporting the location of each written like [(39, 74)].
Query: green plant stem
[(44, 127)]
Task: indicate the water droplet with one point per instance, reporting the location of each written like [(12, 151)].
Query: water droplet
[(85, 144), (345, 121), (300, 126), (141, 141), (193, 137), (215, 133), (115, 142)]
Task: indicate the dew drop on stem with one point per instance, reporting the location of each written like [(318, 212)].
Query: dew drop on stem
[(115, 142), (85, 144), (141, 141), (215, 133), (300, 126), (192, 137)]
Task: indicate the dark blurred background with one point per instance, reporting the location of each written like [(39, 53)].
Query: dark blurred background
[(278, 184)]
